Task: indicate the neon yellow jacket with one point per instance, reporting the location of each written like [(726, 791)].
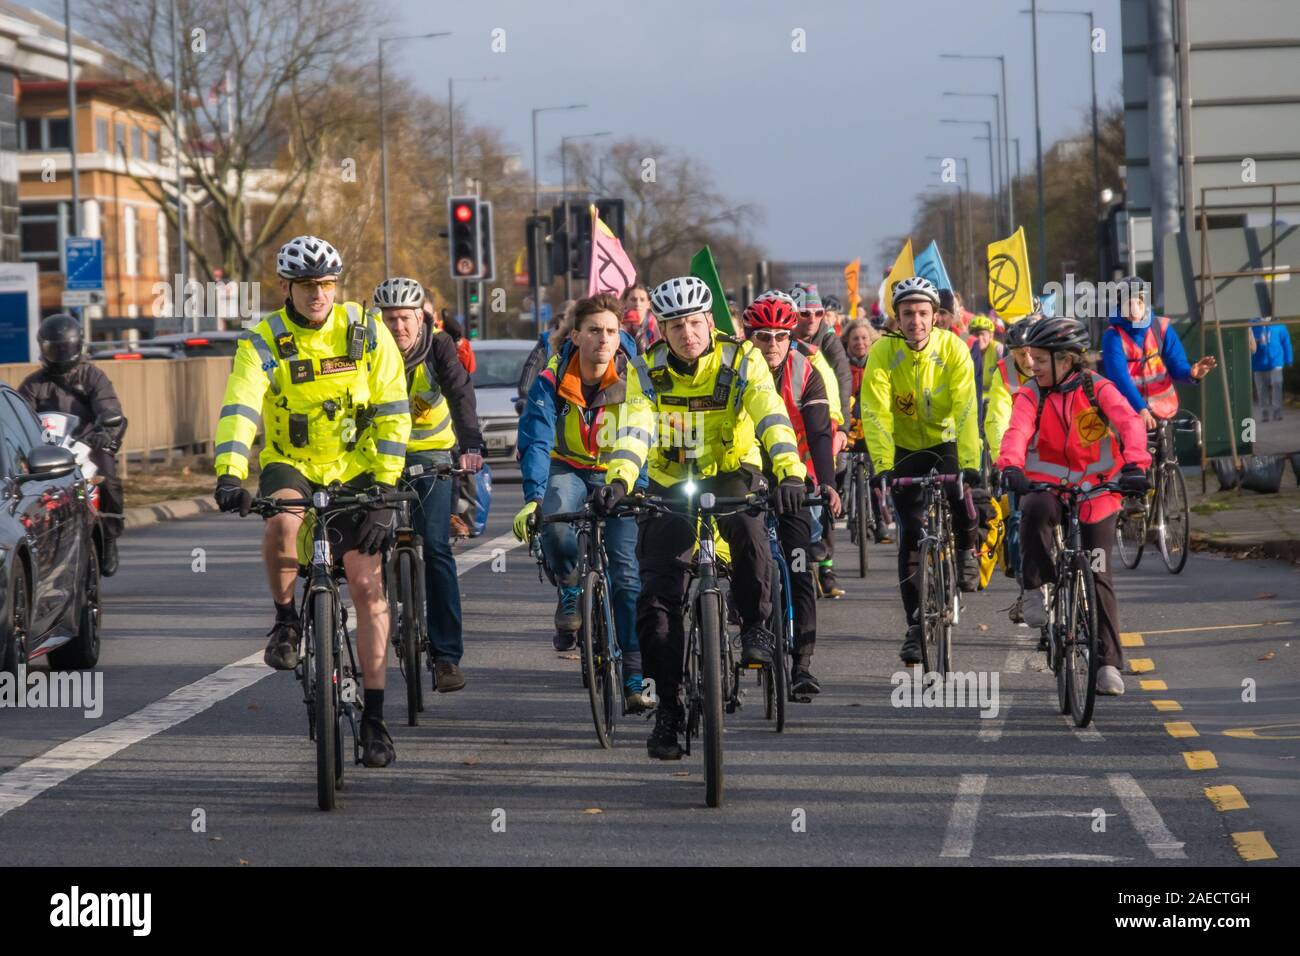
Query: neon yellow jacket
[(997, 414), (827, 373), (708, 421), (916, 399), (286, 373)]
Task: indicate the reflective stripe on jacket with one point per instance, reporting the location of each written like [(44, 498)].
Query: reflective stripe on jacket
[(1146, 366), (327, 415)]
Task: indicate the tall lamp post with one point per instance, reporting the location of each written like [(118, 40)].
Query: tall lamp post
[(1038, 148), (1003, 170), (988, 130), (451, 123), (1006, 128), (1096, 134), (532, 279), (963, 208), (564, 198), (383, 142)]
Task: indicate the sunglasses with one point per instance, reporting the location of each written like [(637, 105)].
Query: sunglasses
[(770, 335), (812, 315), (320, 285)]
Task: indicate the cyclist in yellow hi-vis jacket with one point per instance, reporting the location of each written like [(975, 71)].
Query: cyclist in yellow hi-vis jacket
[(919, 413), (327, 383), (716, 401)]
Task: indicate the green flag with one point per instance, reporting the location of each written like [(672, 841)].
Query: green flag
[(704, 268)]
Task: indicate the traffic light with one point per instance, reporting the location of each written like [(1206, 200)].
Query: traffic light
[(580, 245), (487, 242), (465, 232), (536, 231), (559, 250), (611, 212)]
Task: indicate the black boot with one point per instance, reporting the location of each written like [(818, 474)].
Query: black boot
[(911, 650), (665, 742), (108, 566), (376, 746)]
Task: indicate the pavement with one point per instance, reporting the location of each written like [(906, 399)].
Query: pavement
[(200, 755), (1246, 523)]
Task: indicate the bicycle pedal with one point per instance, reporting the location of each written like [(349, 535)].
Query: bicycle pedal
[(801, 699)]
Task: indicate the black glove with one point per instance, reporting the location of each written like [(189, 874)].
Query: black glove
[(99, 439), (376, 527), (604, 498), (1014, 481), (972, 478), (1133, 480), (789, 496), (231, 496)]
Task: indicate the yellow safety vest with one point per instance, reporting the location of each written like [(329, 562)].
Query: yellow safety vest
[(328, 414), (431, 428)]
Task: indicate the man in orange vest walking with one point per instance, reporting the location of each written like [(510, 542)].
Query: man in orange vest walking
[(1145, 358)]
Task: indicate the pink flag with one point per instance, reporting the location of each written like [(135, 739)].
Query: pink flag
[(611, 270)]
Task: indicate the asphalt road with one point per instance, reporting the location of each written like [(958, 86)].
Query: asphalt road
[(201, 756)]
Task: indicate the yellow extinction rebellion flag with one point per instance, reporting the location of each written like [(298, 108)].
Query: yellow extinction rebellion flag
[(1011, 291), (903, 268)]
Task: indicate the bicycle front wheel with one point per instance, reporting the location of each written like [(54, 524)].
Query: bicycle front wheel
[(594, 653), (1130, 537), (862, 518), (1175, 526), (409, 636), (324, 621), (708, 615), (930, 594), (1081, 643)]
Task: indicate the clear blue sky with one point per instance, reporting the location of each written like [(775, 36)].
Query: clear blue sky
[(829, 144)]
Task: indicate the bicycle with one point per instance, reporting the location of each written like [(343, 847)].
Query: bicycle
[(940, 599), (602, 659), (324, 632), (1072, 614), (1164, 509), (405, 590), (776, 678), (859, 506)]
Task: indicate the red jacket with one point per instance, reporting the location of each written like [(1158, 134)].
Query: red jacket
[(1071, 442)]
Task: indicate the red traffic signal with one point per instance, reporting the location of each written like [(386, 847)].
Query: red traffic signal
[(463, 213)]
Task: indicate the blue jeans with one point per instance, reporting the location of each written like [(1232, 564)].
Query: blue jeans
[(432, 519), (566, 490)]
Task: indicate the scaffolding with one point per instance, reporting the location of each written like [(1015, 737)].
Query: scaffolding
[(1209, 284)]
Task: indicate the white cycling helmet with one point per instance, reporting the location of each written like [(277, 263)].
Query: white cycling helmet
[(777, 295), (399, 292), (916, 287), (680, 297), (307, 257)]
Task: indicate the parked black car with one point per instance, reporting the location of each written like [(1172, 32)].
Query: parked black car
[(49, 556)]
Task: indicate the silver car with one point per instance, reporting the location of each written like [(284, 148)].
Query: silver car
[(499, 363)]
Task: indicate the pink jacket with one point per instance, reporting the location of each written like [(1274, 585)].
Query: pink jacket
[(1071, 443)]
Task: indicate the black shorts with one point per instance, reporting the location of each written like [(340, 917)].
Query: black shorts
[(344, 529)]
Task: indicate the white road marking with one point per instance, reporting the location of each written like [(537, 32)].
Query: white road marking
[(960, 838), (1089, 734), (1040, 857), (1146, 819), (1024, 814), (991, 729), (33, 777)]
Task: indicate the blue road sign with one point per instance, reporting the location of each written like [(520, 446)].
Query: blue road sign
[(85, 258)]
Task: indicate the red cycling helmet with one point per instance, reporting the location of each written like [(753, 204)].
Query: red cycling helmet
[(771, 313)]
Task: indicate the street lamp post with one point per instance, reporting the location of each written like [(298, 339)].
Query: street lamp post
[(988, 127), (564, 198), (1038, 149), (461, 307), (1004, 172), (532, 279), (1006, 128), (383, 143), (1096, 133), (964, 260)]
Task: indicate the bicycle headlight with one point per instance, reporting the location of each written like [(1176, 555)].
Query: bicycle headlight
[(320, 499), (690, 489), (707, 500)]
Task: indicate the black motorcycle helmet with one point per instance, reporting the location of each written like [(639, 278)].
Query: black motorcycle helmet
[(60, 340)]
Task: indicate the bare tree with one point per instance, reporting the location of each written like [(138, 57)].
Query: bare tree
[(672, 206), (257, 115)]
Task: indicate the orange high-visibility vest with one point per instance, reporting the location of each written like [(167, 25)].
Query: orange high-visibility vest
[(1146, 366)]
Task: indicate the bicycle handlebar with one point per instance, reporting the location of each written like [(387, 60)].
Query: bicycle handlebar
[(334, 501), (936, 479), (1069, 488)]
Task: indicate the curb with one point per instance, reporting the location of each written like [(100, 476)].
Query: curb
[(1278, 550), (159, 511)]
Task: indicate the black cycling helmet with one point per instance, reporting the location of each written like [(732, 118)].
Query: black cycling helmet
[(1019, 331), (831, 304), (1058, 334), (60, 341)]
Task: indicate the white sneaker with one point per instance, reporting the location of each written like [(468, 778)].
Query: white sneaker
[(1034, 609), (1110, 682)]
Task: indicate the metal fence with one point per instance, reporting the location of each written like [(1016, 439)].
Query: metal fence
[(170, 405)]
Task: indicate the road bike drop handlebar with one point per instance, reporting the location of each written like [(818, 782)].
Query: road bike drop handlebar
[(1069, 489), (934, 478)]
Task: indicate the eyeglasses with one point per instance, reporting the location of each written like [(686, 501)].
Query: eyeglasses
[(317, 285), (812, 315), (770, 335)]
